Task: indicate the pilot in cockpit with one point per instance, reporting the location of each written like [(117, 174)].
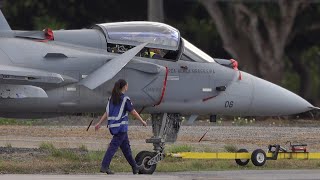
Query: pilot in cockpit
[(154, 53)]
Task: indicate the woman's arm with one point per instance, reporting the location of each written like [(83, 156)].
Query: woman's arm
[(102, 119), (137, 116)]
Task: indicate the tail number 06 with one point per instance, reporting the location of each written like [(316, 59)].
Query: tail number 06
[(228, 104)]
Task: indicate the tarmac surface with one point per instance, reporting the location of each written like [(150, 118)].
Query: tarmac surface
[(212, 175)]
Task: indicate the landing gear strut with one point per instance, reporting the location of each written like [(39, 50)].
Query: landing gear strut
[(165, 128)]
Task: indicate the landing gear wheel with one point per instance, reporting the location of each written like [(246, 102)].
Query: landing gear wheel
[(242, 162), (258, 157), (142, 160)]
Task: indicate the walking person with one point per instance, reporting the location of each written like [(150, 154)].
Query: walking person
[(117, 115)]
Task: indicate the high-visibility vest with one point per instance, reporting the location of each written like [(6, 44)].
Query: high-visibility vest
[(118, 115), (150, 55)]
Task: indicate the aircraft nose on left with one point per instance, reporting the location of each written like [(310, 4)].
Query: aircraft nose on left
[(272, 100)]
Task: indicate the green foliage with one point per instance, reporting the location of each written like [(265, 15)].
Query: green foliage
[(43, 22), (272, 9), (194, 30), (231, 148), (94, 155), (70, 14), (198, 165), (66, 154), (311, 57), (61, 153), (291, 80), (240, 121), (7, 121), (8, 145), (207, 149), (47, 146), (73, 161), (83, 147), (180, 148), (220, 122)]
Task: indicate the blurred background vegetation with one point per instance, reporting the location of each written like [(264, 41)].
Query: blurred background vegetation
[(277, 40)]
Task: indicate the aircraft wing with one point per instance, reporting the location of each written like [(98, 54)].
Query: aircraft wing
[(29, 76), (10, 91), (110, 69), (20, 82)]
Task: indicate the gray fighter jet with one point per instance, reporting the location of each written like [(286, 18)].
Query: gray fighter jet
[(51, 73)]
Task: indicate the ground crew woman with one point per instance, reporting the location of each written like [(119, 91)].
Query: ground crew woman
[(117, 114)]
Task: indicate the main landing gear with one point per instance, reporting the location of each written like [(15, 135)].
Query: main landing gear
[(165, 128)]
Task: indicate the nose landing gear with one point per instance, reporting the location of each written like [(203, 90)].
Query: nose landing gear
[(165, 128)]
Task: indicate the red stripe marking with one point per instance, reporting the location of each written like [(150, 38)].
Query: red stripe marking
[(164, 87), (206, 99)]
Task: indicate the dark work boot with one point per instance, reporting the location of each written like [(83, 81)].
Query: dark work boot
[(135, 169), (106, 170)]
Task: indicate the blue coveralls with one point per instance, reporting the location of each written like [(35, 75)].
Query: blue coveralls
[(118, 126)]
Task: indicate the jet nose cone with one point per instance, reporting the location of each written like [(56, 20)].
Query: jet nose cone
[(272, 100)]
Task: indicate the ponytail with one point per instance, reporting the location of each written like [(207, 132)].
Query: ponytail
[(116, 91)]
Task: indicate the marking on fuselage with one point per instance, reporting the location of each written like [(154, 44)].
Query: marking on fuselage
[(173, 78), (71, 89), (207, 89), (147, 89), (208, 98), (83, 76), (68, 104), (194, 71)]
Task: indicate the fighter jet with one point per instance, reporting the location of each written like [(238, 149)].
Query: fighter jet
[(51, 73)]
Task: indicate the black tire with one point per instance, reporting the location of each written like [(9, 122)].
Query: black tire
[(258, 157), (242, 162), (142, 159)]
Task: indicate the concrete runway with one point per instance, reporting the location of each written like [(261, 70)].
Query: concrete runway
[(212, 175)]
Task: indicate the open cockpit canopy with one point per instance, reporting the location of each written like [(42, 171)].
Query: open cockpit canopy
[(158, 35), (122, 36)]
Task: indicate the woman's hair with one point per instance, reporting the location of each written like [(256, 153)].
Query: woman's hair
[(116, 91)]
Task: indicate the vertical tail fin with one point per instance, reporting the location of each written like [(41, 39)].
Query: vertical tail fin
[(4, 26)]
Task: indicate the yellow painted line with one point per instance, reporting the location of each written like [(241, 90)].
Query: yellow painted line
[(225, 155)]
